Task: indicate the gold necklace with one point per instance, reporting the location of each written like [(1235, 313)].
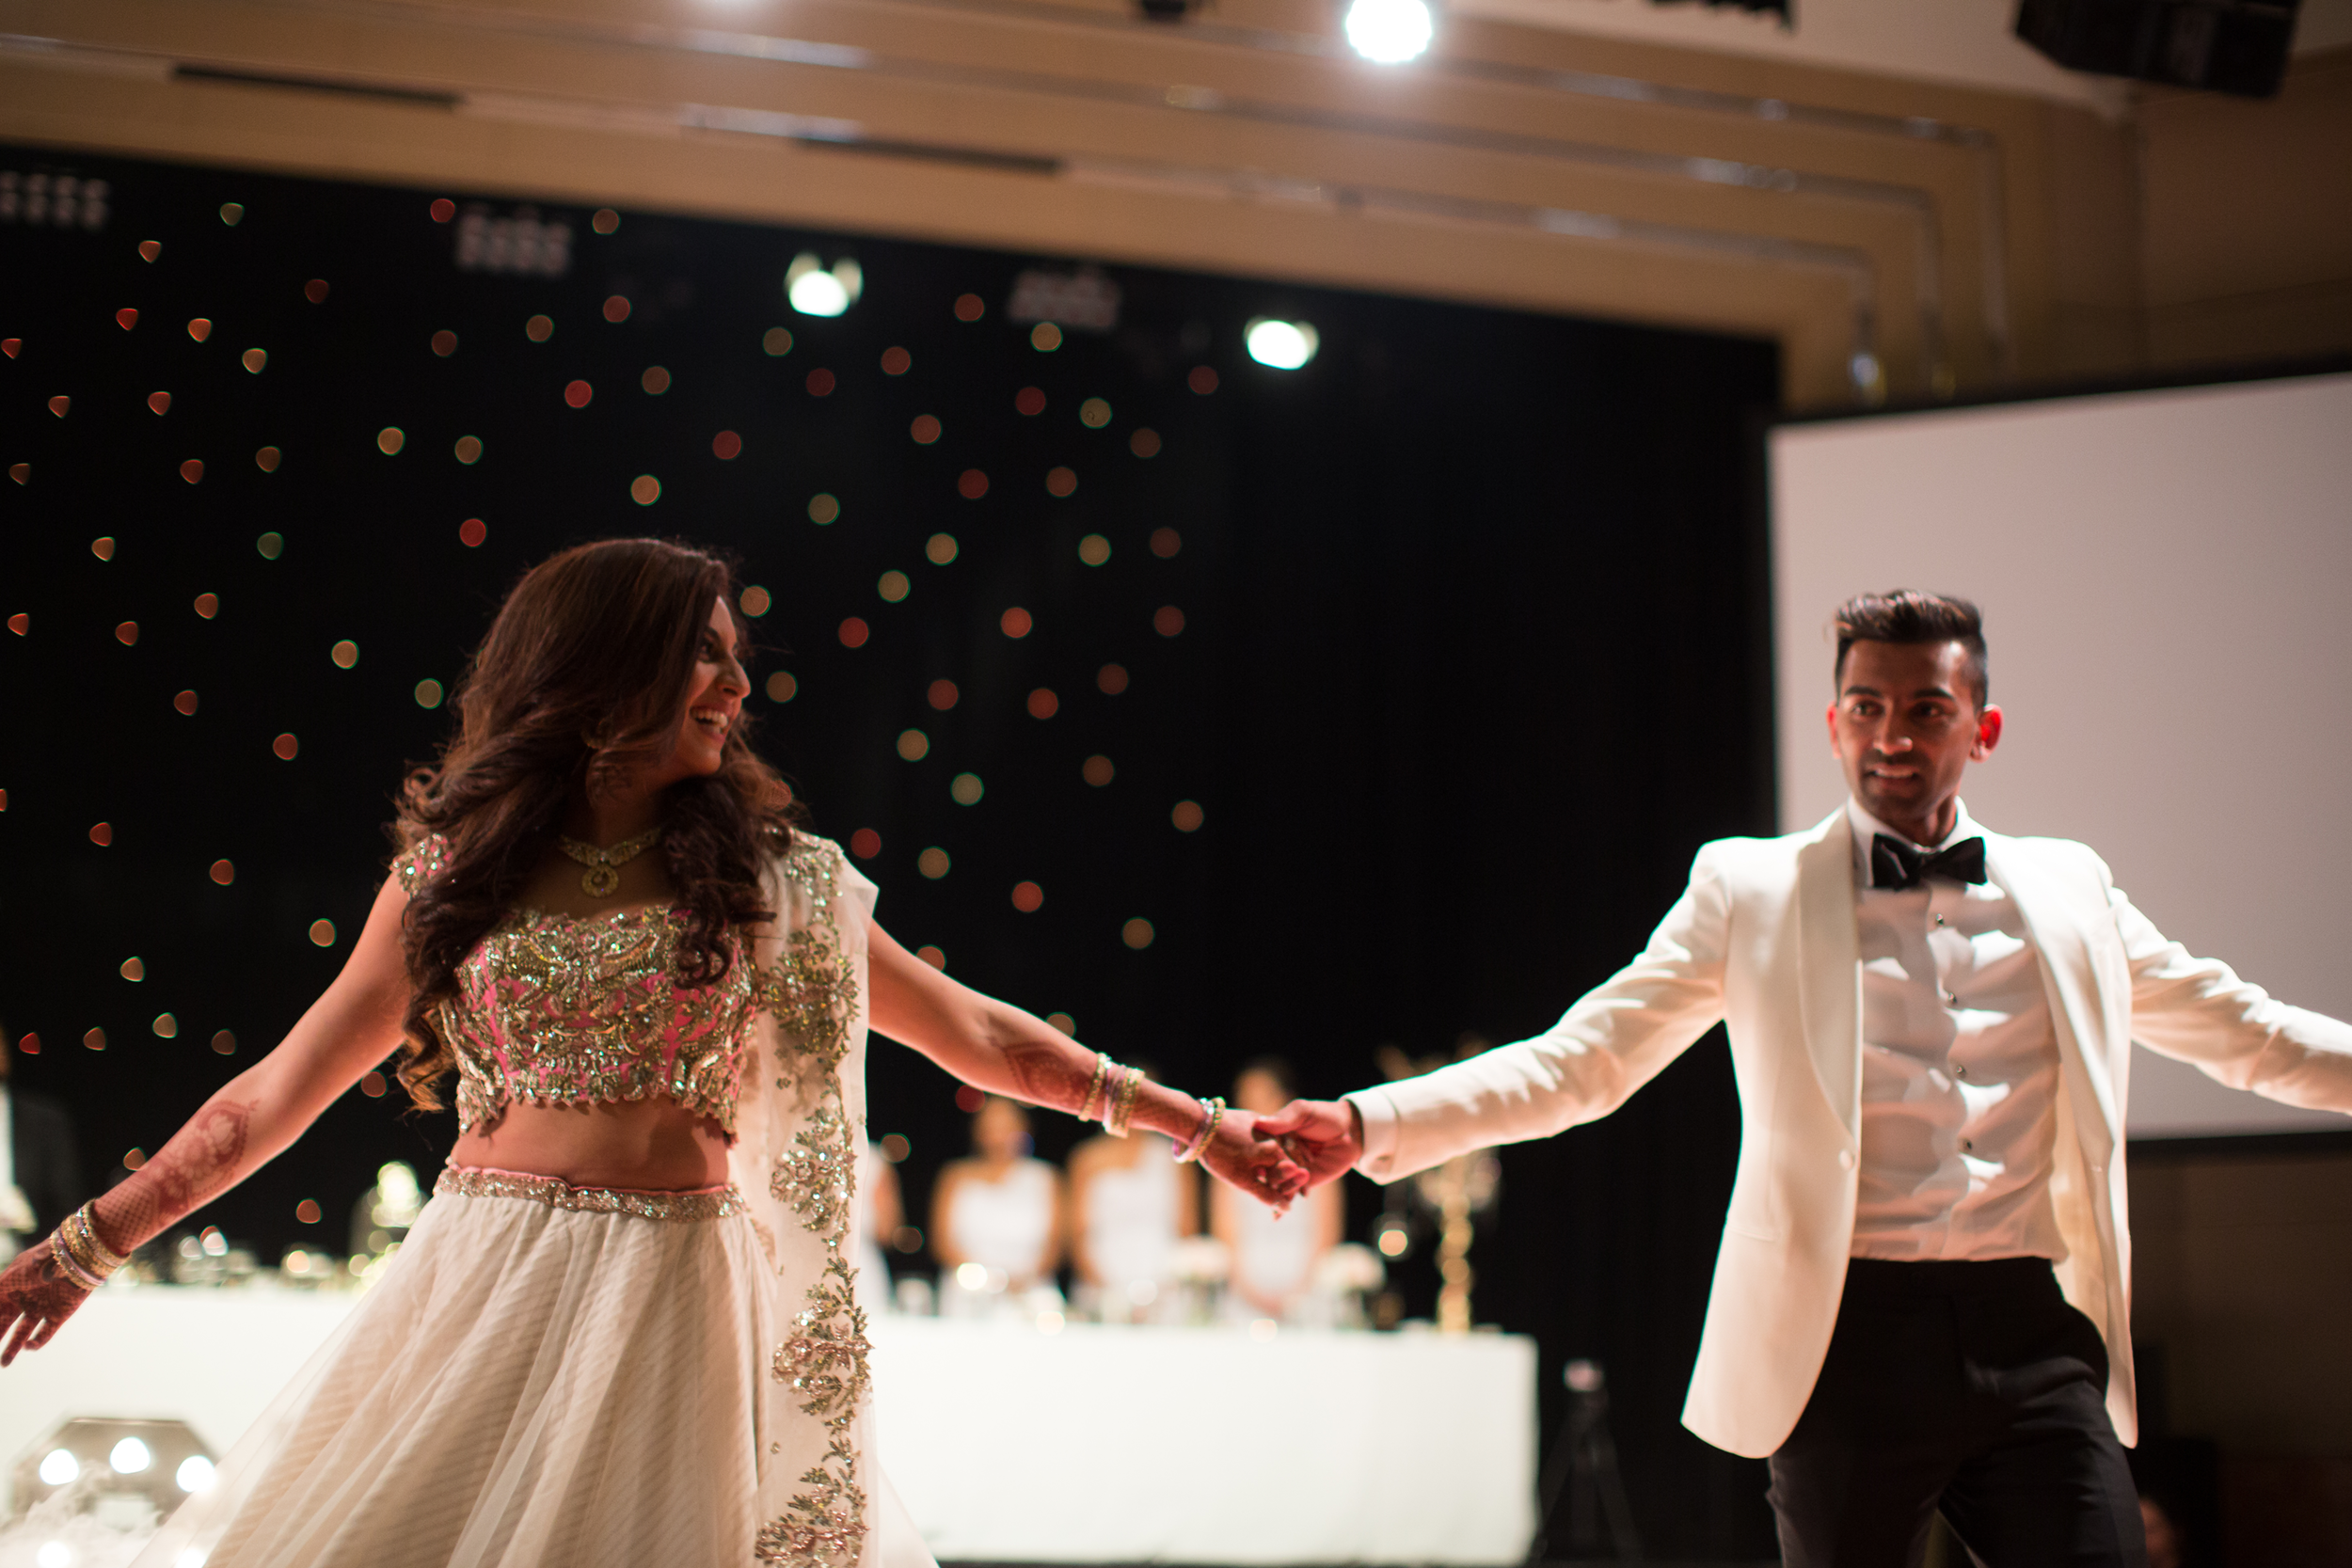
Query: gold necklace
[(603, 875)]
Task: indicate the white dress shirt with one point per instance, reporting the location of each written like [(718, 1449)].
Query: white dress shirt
[(1960, 1068)]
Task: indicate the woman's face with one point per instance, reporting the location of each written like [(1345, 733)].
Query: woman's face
[(1000, 1130), (714, 700), (1260, 1093)]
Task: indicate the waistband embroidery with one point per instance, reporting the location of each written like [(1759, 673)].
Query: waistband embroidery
[(709, 1204)]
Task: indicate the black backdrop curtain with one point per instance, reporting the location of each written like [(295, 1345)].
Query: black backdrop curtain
[(1468, 654)]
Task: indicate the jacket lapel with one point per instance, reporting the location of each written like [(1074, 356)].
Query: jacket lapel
[(1829, 958), (2071, 977)]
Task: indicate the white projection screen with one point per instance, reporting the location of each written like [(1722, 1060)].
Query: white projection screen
[(2167, 584)]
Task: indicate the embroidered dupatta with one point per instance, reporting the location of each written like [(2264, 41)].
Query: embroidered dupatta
[(800, 1125)]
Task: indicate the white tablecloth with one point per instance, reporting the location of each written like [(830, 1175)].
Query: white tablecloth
[(1093, 1445)]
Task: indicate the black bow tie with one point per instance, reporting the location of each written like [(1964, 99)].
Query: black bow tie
[(1897, 865)]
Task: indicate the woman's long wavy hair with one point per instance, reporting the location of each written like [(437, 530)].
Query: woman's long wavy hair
[(581, 680)]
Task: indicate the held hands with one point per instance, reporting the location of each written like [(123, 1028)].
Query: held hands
[(1324, 1136), (36, 1295), (1249, 1161)]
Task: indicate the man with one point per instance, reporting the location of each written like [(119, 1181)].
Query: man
[(40, 1178), (1923, 1295)]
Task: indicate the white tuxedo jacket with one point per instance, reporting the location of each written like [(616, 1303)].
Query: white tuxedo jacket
[(1765, 938)]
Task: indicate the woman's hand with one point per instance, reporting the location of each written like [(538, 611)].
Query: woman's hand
[(36, 1295), (1250, 1163)]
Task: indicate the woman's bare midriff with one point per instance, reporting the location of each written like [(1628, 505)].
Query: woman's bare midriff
[(643, 1144)]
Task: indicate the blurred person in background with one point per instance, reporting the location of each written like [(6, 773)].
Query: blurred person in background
[(880, 1212), (1000, 1209), (40, 1166), (627, 1327), (1129, 1204), (1273, 1257)]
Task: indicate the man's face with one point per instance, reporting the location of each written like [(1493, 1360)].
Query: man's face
[(1904, 725)]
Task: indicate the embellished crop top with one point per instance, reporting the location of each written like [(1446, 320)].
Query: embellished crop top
[(557, 1010)]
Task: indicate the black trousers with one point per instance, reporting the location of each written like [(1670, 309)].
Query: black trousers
[(1969, 1387)]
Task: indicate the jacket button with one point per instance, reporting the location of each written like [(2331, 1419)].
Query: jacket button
[(1844, 1159)]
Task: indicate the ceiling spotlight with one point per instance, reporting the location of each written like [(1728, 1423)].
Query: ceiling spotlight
[(1388, 31), (1279, 344), (129, 1457), (815, 291)]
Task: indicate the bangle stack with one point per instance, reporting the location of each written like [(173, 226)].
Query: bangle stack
[(81, 1255), (1119, 1115), (1215, 1113), (1094, 1086)]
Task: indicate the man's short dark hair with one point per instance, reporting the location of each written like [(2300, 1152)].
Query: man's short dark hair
[(1908, 616)]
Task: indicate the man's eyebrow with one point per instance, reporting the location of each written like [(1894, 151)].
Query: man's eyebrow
[(1859, 690)]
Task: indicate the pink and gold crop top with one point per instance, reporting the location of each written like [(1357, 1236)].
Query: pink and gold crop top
[(557, 1010)]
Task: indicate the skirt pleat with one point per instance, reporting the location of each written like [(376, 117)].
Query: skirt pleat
[(526, 1386)]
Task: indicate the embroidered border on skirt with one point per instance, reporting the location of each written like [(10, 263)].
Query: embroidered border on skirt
[(709, 1203)]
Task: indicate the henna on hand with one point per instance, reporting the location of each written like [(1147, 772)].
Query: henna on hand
[(1253, 1162), (1052, 1074), (201, 1162), (36, 1295), (1324, 1136)]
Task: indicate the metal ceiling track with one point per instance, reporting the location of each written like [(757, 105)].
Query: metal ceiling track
[(1915, 205)]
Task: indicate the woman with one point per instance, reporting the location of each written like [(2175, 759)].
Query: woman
[(626, 1329), (1000, 1209), (1274, 1254), (1129, 1206)]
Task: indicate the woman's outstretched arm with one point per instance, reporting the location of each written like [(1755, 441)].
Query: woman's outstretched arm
[(994, 1046), (350, 1028)]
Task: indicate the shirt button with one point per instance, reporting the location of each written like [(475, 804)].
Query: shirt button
[(1844, 1159)]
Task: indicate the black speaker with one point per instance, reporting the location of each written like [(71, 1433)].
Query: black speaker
[(2235, 46)]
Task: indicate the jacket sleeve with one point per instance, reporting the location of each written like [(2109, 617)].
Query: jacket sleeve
[(1615, 1039), (2197, 1010)]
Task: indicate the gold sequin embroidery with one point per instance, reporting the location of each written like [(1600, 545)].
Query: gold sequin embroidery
[(556, 1193), (556, 1010), (813, 994), (427, 860)]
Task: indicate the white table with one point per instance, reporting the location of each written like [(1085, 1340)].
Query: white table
[(1208, 1445), (1007, 1444)]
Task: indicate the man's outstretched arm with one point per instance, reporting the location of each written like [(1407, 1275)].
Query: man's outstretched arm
[(1615, 1039), (2197, 1010)]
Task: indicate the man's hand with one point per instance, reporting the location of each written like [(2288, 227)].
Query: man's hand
[(1247, 1160), (1326, 1136)]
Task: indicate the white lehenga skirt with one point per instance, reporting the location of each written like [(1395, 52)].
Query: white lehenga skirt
[(547, 1375)]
